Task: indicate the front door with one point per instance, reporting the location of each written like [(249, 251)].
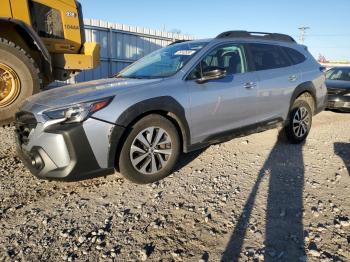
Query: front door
[(222, 105)]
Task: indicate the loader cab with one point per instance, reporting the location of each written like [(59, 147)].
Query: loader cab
[(58, 23)]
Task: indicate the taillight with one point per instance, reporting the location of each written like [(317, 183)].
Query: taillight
[(323, 68)]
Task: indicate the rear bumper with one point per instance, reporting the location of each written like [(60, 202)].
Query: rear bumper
[(65, 155), (339, 102), (322, 106)]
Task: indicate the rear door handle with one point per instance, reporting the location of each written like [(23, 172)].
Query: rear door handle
[(250, 85), (292, 78)]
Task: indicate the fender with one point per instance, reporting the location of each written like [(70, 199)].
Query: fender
[(164, 104), (304, 87), (30, 36)]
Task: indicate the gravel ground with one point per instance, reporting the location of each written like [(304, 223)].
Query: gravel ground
[(250, 199)]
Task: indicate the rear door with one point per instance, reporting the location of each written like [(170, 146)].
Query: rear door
[(219, 106), (277, 79)]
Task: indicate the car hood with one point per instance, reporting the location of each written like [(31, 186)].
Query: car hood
[(338, 84), (87, 91)]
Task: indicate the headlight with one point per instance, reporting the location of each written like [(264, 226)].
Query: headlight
[(79, 112)]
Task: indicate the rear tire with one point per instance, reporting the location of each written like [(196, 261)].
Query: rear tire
[(299, 119), (150, 151), (23, 68)]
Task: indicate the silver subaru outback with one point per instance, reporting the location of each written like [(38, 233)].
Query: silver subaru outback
[(177, 99)]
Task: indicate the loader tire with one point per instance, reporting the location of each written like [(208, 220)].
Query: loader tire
[(19, 79)]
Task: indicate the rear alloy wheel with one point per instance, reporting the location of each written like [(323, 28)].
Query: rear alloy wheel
[(300, 120), (150, 151)]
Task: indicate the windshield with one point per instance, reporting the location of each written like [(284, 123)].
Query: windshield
[(338, 74), (163, 62)]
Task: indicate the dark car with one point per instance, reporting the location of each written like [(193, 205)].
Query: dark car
[(338, 86)]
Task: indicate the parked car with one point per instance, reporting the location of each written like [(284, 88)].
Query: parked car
[(177, 99), (338, 85)]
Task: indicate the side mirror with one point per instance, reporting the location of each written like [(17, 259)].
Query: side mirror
[(212, 74)]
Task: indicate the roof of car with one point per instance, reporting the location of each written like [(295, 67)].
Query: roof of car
[(245, 36)]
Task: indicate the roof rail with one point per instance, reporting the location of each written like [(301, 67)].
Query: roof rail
[(262, 35)]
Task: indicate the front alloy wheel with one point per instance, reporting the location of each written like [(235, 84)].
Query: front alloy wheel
[(151, 150)]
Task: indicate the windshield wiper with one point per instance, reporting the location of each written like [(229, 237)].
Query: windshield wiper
[(138, 77), (130, 77)]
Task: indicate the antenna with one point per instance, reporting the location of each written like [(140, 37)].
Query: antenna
[(302, 33)]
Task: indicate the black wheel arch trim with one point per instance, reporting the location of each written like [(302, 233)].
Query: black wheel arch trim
[(166, 105), (29, 33), (302, 88)]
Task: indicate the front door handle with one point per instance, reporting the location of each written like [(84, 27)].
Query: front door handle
[(250, 85), (292, 78)]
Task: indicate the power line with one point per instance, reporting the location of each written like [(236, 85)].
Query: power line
[(335, 47), (330, 35), (325, 35)]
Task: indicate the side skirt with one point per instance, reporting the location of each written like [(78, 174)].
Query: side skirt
[(238, 132)]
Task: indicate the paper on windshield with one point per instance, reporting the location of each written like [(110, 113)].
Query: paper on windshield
[(185, 52)]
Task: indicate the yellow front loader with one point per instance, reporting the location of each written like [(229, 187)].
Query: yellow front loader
[(40, 41)]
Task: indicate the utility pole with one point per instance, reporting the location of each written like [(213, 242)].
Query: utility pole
[(302, 33)]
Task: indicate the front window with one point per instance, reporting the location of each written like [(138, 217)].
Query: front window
[(164, 62), (228, 57), (342, 74)]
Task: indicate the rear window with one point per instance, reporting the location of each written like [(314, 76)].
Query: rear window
[(295, 56), (266, 57)]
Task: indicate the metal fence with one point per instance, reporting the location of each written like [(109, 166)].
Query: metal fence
[(121, 45)]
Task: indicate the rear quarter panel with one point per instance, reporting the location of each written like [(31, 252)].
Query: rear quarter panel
[(310, 71)]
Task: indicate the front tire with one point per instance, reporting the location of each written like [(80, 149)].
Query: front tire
[(299, 120), (150, 151)]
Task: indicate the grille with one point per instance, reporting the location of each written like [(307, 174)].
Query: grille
[(25, 123), (330, 104), (334, 91)]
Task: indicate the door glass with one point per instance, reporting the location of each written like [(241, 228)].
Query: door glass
[(229, 57), (267, 57), (294, 55), (46, 21)]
